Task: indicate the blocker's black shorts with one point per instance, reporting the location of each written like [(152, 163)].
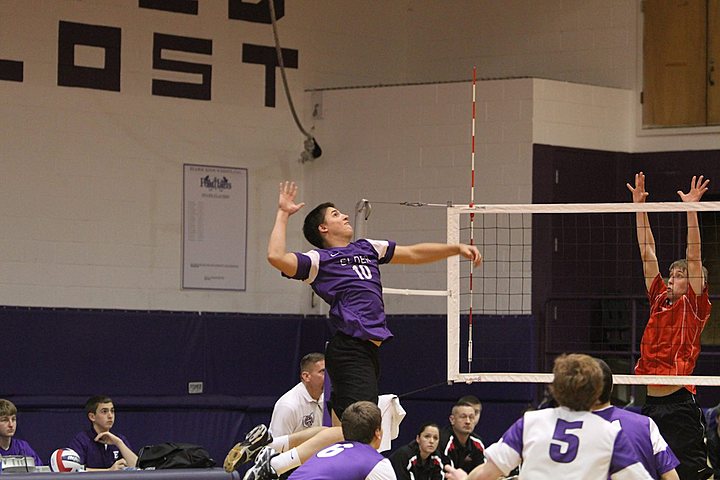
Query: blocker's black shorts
[(682, 425)]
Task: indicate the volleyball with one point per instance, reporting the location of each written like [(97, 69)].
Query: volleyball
[(65, 460)]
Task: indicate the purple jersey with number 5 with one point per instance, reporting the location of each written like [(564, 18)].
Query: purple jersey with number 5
[(348, 279), (558, 443)]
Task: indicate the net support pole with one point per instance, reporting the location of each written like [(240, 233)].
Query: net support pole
[(453, 306)]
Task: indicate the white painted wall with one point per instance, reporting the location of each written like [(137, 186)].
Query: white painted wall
[(584, 41), (583, 116), (90, 205), (413, 144)]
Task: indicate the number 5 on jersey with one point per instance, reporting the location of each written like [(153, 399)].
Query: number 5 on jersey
[(564, 445)]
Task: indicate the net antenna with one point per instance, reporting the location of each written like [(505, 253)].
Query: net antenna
[(472, 224)]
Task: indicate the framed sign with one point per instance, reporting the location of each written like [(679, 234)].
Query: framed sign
[(215, 201)]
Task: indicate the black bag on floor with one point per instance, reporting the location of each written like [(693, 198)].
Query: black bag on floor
[(174, 455)]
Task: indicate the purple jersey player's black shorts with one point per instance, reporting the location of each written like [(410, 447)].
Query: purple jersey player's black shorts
[(354, 369)]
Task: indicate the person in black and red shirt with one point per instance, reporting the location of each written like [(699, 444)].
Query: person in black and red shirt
[(420, 460), (458, 442)]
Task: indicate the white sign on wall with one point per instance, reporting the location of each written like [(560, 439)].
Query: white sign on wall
[(214, 227)]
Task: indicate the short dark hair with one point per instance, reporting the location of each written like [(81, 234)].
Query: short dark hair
[(577, 381), (309, 360), (93, 402), (360, 421), (607, 389), (313, 221)]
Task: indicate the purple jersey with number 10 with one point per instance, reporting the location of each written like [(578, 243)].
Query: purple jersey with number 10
[(348, 279), (559, 443)]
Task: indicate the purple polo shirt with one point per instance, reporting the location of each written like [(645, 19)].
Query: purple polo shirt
[(21, 447), (95, 454), (348, 279)]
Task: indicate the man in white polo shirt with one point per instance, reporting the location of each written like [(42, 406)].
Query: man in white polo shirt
[(302, 406)]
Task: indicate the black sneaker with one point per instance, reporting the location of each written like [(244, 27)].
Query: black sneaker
[(247, 450), (262, 469)]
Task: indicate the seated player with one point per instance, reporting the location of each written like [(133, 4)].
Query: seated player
[(354, 458), (8, 444), (288, 451), (100, 449)]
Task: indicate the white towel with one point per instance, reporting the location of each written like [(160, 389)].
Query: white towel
[(392, 414)]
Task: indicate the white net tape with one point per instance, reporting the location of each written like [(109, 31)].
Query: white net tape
[(412, 291), (588, 208), (516, 377)]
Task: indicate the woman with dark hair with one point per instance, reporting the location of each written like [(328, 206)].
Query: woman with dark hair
[(420, 460)]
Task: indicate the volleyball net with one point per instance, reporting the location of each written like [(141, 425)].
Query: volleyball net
[(562, 278)]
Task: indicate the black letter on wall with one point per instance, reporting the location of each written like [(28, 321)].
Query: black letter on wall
[(177, 6), (71, 75), (167, 88), (267, 56), (255, 12), (11, 70)]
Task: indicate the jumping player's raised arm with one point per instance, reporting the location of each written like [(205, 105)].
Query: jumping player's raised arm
[(698, 186), (277, 254), (646, 241), (431, 252)]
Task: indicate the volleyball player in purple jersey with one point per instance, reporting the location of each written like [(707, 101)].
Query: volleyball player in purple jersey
[(564, 442), (356, 457), (642, 432), (346, 275)]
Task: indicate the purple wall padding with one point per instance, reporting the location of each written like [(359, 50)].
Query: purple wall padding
[(144, 361)]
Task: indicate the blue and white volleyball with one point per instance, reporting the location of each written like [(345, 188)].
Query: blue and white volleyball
[(65, 460)]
